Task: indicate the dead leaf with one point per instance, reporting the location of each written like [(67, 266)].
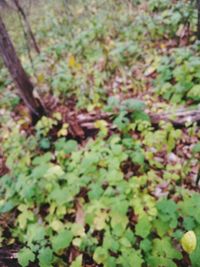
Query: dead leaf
[(80, 215)]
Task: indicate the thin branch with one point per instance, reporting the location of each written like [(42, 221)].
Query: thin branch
[(29, 30)]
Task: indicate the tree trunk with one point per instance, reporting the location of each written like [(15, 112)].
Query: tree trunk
[(3, 4), (18, 74), (27, 24), (198, 23)]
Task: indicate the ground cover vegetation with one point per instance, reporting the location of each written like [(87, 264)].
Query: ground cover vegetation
[(104, 179)]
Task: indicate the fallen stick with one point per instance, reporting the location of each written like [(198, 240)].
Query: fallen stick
[(178, 118)]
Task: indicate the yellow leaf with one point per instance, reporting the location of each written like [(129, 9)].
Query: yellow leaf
[(76, 242), (40, 78), (57, 225), (63, 131), (163, 46), (78, 229), (189, 241), (100, 220), (71, 61), (57, 116), (100, 124), (11, 241)]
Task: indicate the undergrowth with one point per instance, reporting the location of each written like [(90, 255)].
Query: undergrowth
[(125, 195)]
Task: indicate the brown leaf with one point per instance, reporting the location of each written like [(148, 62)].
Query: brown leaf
[(80, 215)]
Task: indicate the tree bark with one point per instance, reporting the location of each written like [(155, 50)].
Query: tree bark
[(198, 22), (19, 75)]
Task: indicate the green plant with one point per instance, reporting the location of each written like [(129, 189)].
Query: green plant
[(178, 76), (121, 197), (56, 184)]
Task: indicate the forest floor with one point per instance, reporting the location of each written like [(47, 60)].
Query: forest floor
[(111, 176)]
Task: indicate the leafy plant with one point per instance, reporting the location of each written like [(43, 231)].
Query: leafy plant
[(178, 76)]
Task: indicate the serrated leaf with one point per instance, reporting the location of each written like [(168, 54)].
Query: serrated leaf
[(143, 227), (194, 93), (100, 255), (45, 257), (138, 158), (62, 240), (25, 256)]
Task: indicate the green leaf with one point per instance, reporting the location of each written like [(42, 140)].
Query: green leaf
[(95, 192), (45, 257), (62, 240), (163, 247), (130, 257), (100, 255), (45, 158), (161, 227), (110, 262), (121, 121), (138, 158), (194, 93), (167, 206), (77, 262), (110, 243), (189, 223), (113, 103), (145, 245), (157, 261), (178, 234), (45, 143), (68, 147), (61, 195), (196, 148), (35, 232), (143, 227), (7, 206), (190, 206), (133, 105), (24, 256), (168, 212), (54, 171), (140, 116)]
